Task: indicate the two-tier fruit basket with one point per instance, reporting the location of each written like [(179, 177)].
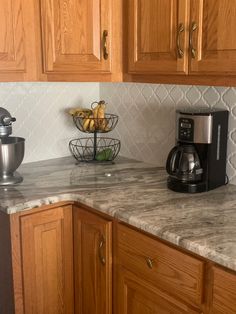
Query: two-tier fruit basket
[(94, 121)]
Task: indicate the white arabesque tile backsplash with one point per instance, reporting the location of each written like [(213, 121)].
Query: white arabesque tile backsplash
[(41, 118), (147, 117)]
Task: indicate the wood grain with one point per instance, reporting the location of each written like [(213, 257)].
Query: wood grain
[(214, 37), (47, 260), (207, 79), (72, 35), (18, 58), (224, 292), (137, 296), (152, 34), (171, 269), (93, 279)]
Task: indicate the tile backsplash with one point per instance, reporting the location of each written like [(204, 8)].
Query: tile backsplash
[(40, 114), (147, 117)]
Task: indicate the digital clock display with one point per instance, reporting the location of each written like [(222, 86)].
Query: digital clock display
[(185, 125)]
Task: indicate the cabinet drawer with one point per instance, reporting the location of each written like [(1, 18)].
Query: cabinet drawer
[(224, 292), (166, 268)]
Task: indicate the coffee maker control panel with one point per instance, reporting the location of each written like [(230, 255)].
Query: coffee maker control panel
[(194, 128), (186, 129)]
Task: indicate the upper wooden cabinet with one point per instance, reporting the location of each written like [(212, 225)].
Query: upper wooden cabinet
[(17, 44), (157, 36), (168, 41), (213, 37), (193, 38), (78, 37)]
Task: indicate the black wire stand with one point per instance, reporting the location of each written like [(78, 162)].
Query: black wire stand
[(95, 148)]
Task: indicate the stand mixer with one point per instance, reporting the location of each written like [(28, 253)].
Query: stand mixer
[(12, 150)]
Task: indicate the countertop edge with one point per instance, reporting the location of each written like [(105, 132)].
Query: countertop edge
[(172, 238)]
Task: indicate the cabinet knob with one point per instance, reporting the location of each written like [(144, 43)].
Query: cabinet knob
[(149, 262)]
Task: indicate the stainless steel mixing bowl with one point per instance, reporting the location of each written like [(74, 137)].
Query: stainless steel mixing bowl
[(12, 151)]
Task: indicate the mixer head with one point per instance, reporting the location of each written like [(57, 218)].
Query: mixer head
[(5, 122)]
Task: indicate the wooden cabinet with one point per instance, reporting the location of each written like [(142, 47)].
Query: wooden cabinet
[(138, 296), (155, 29), (212, 30), (58, 40), (154, 277), (17, 43), (193, 41), (169, 41), (92, 263), (223, 292), (47, 260), (58, 259), (79, 37)]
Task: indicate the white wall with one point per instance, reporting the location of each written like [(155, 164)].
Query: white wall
[(40, 114), (147, 117)]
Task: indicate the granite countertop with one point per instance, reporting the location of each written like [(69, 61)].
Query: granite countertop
[(136, 193)]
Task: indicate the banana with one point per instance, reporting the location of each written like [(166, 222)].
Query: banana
[(103, 125), (86, 123), (95, 116), (101, 111), (92, 125)]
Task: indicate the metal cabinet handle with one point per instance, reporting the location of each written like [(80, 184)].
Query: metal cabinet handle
[(100, 249), (180, 52), (192, 49), (104, 39), (149, 262)]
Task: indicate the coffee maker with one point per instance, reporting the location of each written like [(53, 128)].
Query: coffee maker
[(198, 161)]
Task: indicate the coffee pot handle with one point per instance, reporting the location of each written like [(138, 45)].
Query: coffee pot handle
[(171, 160)]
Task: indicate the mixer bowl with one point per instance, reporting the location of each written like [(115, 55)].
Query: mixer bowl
[(12, 151)]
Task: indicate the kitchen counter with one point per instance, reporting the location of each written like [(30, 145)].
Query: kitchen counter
[(136, 193)]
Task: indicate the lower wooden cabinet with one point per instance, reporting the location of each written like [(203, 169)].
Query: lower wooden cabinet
[(137, 296), (153, 278), (62, 262), (224, 292), (92, 263), (47, 261), (58, 260)]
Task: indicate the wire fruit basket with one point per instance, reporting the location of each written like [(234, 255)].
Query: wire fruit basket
[(99, 125), (86, 149), (94, 121)]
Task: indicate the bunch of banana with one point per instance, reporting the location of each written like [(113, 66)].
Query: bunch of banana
[(92, 119), (80, 112)]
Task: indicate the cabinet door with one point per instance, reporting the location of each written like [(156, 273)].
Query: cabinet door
[(47, 253), (212, 30), (16, 43), (136, 296), (154, 29), (75, 35), (224, 292), (93, 263)]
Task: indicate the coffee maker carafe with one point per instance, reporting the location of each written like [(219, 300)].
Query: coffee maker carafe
[(198, 161)]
